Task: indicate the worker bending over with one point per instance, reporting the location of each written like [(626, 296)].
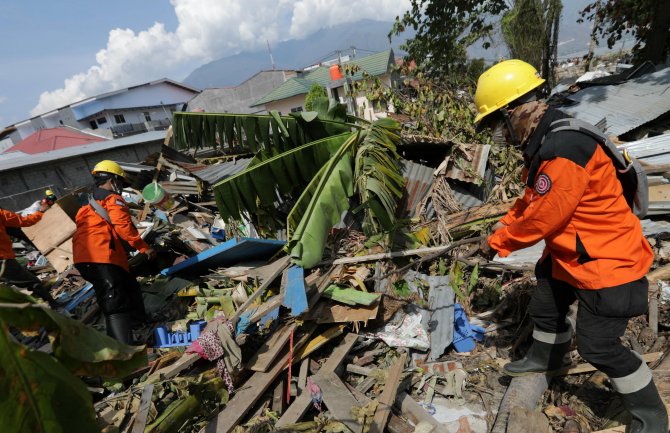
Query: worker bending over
[(11, 271), (595, 252), (104, 235)]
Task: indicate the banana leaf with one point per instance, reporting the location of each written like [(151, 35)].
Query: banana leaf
[(80, 348), (39, 394), (321, 206), (251, 132), (270, 175), (379, 181)]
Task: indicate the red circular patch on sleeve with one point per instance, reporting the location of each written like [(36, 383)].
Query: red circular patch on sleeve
[(543, 184)]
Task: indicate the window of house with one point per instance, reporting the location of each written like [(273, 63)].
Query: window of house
[(93, 124), (102, 121), (118, 118), (296, 109), (147, 116)]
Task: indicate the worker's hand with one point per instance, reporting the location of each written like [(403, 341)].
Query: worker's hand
[(497, 226), (150, 253), (43, 206), (486, 251)]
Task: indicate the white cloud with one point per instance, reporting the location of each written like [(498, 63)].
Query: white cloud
[(311, 15), (207, 30)]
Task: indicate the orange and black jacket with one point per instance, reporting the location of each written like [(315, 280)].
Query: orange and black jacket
[(97, 241), (574, 201), (11, 219)]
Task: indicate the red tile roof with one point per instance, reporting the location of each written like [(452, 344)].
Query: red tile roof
[(46, 140)]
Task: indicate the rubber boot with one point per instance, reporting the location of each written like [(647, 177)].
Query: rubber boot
[(642, 401), (546, 355), (118, 327)]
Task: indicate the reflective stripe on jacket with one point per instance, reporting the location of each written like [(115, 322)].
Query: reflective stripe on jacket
[(11, 219), (577, 206), (96, 241)]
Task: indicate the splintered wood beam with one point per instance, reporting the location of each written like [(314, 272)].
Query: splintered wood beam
[(300, 405), (247, 395), (388, 395)]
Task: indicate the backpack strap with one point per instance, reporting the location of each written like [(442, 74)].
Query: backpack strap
[(99, 209), (629, 170)]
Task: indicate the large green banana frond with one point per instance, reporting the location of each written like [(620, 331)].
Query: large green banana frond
[(260, 185), (251, 132)]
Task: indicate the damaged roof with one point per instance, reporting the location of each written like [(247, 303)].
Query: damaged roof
[(625, 106)]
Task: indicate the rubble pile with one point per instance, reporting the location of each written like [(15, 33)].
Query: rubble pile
[(406, 331)]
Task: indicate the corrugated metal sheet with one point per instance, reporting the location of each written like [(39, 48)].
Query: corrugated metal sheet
[(228, 253), (652, 150), (16, 160), (480, 157), (439, 320), (418, 179), (216, 173), (625, 106)]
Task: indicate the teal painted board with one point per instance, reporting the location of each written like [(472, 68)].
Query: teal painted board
[(228, 253)]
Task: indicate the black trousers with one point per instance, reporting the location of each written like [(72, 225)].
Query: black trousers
[(116, 290), (11, 272), (602, 317)]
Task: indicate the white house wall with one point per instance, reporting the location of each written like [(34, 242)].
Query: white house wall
[(284, 106)]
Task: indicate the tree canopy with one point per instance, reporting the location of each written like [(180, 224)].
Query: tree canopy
[(648, 21), (444, 31)]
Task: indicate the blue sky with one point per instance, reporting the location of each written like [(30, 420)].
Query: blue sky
[(45, 42), (58, 52)]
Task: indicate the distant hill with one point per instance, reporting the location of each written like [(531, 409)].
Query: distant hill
[(365, 35)]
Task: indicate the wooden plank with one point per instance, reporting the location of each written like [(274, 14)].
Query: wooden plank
[(296, 410), (336, 313), (338, 399), (411, 410), (302, 376), (278, 397), (356, 369), (273, 270), (270, 349), (388, 395), (145, 404), (395, 424), (246, 396), (318, 342)]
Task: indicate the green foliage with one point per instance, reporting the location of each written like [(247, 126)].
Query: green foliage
[(647, 20), (80, 348), (39, 394), (523, 31), (251, 133), (530, 30), (315, 91), (401, 289), (444, 31), (284, 174)]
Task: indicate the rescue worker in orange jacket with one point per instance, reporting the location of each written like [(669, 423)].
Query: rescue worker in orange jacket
[(595, 252), (11, 271), (104, 235)]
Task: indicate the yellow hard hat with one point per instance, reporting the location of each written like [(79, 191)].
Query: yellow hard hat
[(503, 83), (108, 166), (48, 192)]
